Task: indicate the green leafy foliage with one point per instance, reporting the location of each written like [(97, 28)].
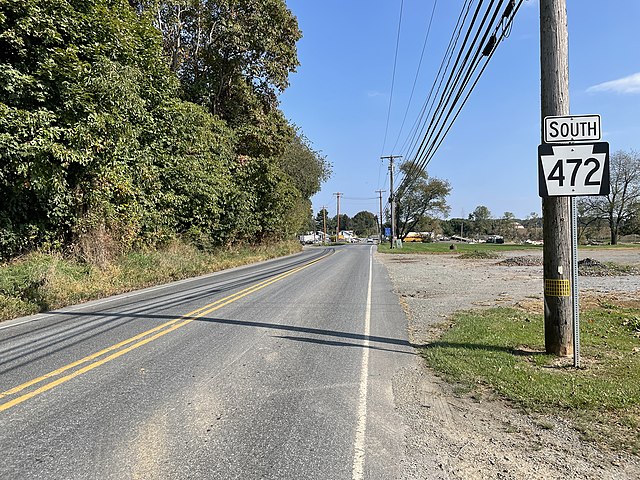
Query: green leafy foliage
[(365, 224), (420, 201), (100, 152)]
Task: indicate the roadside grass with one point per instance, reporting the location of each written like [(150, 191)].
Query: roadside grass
[(479, 255), (39, 282), (503, 350)]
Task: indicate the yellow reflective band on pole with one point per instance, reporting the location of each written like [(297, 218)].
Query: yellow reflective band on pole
[(557, 287)]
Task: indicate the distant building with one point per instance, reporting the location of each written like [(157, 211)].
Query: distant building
[(347, 236)]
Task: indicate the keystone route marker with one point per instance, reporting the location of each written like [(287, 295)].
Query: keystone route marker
[(572, 162), (573, 170)]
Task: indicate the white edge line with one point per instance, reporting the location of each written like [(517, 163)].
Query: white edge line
[(359, 455)]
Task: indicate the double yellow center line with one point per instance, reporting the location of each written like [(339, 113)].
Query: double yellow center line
[(114, 351)]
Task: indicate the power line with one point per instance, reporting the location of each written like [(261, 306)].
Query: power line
[(415, 80), (359, 198), (449, 86), (488, 53), (393, 78), (446, 59), (458, 83)]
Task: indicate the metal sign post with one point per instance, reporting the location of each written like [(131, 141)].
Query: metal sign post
[(574, 283), (567, 166)]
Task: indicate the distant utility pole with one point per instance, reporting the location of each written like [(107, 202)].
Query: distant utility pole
[(337, 194), (380, 192), (392, 200), (324, 224), (556, 211)]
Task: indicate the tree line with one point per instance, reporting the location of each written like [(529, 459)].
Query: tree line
[(127, 124), (422, 207)]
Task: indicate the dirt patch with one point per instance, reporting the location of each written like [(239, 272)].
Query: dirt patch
[(454, 434)]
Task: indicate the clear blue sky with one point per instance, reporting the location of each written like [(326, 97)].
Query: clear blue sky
[(340, 94)]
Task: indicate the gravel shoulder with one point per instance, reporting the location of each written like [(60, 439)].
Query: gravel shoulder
[(452, 436)]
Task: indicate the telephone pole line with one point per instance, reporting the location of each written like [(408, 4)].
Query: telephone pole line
[(556, 211), (380, 192), (324, 224), (337, 194), (392, 200)]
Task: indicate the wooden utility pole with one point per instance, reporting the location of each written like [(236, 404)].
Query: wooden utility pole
[(380, 192), (392, 199), (556, 211), (337, 194), (324, 224)]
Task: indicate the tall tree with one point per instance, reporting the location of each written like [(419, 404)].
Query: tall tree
[(534, 226), (80, 82), (322, 221), (507, 224), (425, 197), (365, 224), (481, 217), (234, 57), (345, 222), (623, 202), (306, 167)]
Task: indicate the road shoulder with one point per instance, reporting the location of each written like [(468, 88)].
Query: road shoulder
[(452, 435)]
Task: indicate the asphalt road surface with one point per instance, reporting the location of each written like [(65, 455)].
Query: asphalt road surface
[(282, 369)]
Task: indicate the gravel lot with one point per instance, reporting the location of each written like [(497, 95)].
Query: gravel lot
[(453, 437)]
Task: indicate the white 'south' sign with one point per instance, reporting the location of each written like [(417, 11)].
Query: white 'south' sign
[(573, 170), (572, 128)]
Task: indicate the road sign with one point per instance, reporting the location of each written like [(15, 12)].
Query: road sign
[(573, 170), (387, 231), (572, 128)]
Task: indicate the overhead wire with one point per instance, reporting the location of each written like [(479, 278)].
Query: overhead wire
[(446, 59), (505, 34), (415, 80), (393, 78), (454, 82), (458, 82), (465, 82), (449, 87)]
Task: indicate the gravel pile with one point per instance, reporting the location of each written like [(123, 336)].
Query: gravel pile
[(589, 267), (524, 261)]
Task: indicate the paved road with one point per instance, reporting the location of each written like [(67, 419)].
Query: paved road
[(278, 370)]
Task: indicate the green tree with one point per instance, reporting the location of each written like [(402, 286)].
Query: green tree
[(453, 226), (481, 218), (79, 82), (322, 221), (365, 224), (233, 57), (189, 183), (533, 223), (345, 222), (307, 168), (95, 141), (507, 224), (424, 197), (623, 202)]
